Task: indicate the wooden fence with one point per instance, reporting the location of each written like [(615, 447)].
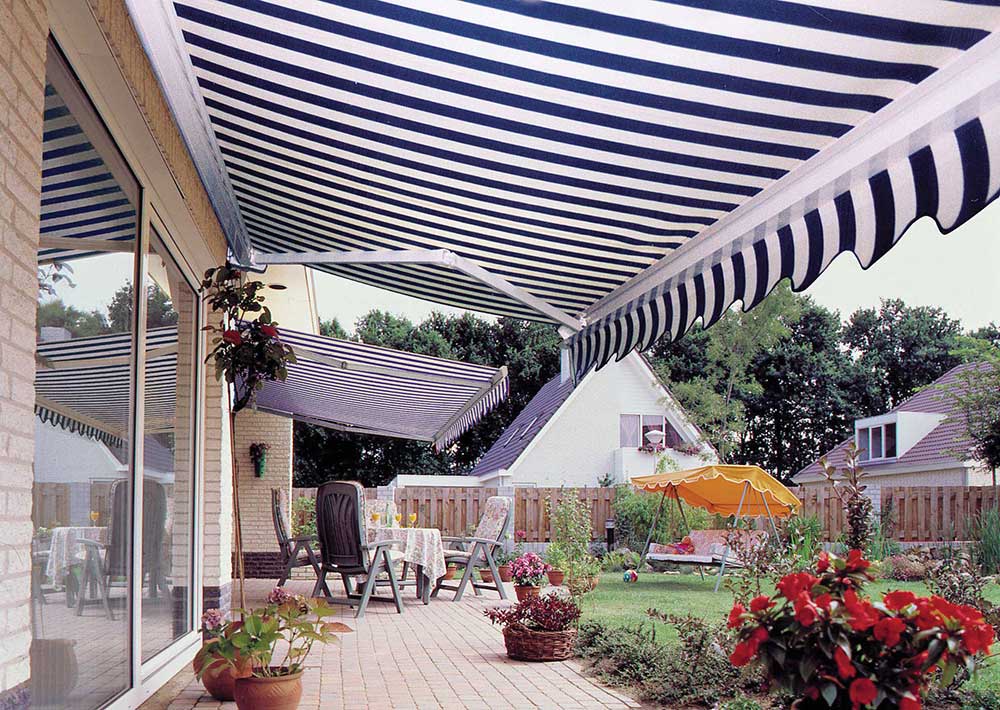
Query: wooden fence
[(455, 510), (918, 513)]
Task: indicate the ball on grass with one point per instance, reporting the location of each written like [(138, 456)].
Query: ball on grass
[(630, 576)]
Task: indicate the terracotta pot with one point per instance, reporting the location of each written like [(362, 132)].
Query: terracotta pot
[(220, 678), (556, 577), (54, 670), (525, 592), (505, 574), (282, 692), (450, 573), (593, 582), (486, 575)]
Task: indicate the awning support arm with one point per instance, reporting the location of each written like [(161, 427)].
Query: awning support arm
[(438, 257), (725, 552)]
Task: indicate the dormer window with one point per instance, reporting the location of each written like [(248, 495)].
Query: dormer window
[(877, 442)]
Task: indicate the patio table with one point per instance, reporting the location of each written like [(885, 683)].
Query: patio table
[(65, 551), (424, 550)]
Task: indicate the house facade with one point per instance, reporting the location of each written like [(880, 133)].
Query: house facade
[(616, 423), (918, 443)]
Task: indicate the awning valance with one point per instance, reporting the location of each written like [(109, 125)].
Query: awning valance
[(620, 168), (372, 390), (84, 385)]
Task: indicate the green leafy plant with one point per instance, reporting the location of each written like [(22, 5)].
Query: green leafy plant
[(303, 516), (740, 702), (634, 512), (849, 488), (288, 621), (883, 542), (986, 533), (619, 561), (557, 557)]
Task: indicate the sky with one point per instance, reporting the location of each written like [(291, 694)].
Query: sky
[(959, 272)]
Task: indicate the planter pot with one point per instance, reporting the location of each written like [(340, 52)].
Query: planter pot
[(220, 678), (593, 582), (528, 645), (525, 592), (259, 465), (450, 573), (505, 573), (54, 670), (556, 577), (486, 575), (281, 692)]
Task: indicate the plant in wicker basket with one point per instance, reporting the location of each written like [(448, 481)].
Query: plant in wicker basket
[(539, 628)]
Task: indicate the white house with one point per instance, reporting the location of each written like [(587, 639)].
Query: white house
[(576, 436)]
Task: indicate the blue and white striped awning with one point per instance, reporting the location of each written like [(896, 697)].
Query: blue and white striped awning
[(84, 385), (619, 168), (372, 390)]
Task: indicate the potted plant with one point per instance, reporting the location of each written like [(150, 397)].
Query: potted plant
[(821, 641), (486, 575), (296, 622), (538, 628), (258, 454), (503, 559), (527, 573), (450, 571), (216, 674), (557, 559), (584, 574)]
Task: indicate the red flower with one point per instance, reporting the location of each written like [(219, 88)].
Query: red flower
[(792, 585), (909, 702), (898, 599), (978, 637), (232, 337), (806, 613), (856, 562), (761, 603), (845, 669), (823, 563), (862, 692), (269, 330), (862, 614), (887, 630), (759, 636), (743, 653), (812, 692), (735, 615), (823, 601)]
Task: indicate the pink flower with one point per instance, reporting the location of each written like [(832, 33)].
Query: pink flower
[(279, 595), (211, 619)]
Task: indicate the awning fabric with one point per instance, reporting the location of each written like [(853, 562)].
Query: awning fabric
[(719, 489), (84, 385), (368, 389), (620, 168)]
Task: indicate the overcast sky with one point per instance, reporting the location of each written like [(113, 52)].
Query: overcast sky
[(958, 272)]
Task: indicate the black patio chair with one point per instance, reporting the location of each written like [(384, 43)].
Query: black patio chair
[(295, 551), (344, 548)]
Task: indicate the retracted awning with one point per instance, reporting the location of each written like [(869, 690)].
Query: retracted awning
[(84, 385), (621, 169), (367, 389)]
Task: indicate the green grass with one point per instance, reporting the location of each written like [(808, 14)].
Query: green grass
[(619, 604)]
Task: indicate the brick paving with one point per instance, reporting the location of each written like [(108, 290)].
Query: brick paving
[(443, 655)]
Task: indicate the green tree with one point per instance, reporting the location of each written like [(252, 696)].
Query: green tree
[(80, 324), (159, 308), (899, 349), (333, 329)]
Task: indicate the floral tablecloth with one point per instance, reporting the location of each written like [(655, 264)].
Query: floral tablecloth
[(65, 551), (423, 547)]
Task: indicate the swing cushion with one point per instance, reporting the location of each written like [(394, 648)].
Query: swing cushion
[(709, 546)]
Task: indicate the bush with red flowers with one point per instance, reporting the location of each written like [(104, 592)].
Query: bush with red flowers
[(818, 638)]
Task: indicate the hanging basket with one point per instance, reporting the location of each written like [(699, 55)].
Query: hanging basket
[(524, 644), (260, 465)]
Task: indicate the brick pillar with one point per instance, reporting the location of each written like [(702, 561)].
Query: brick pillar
[(261, 556), (217, 496), (23, 32)]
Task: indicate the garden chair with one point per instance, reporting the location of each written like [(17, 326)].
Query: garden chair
[(295, 551), (466, 551), (345, 550), (105, 562)]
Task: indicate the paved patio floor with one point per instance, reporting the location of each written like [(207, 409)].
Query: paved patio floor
[(443, 655)]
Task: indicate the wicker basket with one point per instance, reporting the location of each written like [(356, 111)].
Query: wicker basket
[(526, 645)]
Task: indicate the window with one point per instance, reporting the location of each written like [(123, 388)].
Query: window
[(632, 430), (877, 442)]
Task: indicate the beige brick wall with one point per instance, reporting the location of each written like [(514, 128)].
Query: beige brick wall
[(255, 493), (23, 31), (217, 489)]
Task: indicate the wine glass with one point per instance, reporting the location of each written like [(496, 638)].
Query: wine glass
[(375, 519), (94, 516), (413, 519), (398, 517)]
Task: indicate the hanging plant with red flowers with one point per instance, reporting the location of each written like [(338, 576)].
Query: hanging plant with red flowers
[(818, 638), (247, 349)]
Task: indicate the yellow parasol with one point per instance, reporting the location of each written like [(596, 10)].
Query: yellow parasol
[(730, 490)]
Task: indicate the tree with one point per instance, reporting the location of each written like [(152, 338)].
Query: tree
[(715, 398), (80, 324), (333, 329), (806, 402), (899, 349), (159, 308)]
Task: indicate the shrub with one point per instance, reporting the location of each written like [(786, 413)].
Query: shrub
[(303, 516), (740, 702), (904, 568), (802, 535), (883, 542), (850, 489), (620, 560), (542, 613), (830, 647), (986, 532)]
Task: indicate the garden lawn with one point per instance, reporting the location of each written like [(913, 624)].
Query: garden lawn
[(619, 604)]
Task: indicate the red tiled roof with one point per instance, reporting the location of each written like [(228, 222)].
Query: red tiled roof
[(934, 450)]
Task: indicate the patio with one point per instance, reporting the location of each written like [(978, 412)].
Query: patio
[(443, 655)]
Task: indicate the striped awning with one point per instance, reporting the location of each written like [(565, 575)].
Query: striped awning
[(619, 168), (372, 390), (84, 385)]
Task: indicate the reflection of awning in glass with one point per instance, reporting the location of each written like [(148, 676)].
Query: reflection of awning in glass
[(83, 385), (621, 171)]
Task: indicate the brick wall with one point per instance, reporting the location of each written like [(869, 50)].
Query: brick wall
[(260, 546), (217, 490), (23, 31)]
